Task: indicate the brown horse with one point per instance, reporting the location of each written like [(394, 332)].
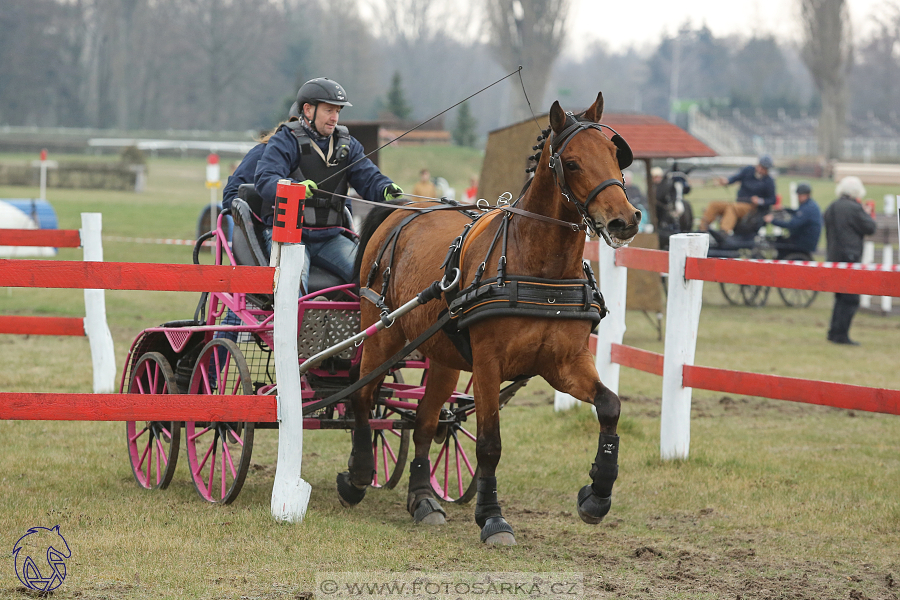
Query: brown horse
[(585, 165)]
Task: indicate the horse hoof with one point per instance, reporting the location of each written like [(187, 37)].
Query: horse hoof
[(497, 531), (349, 494), (591, 507), (501, 539), (429, 512)]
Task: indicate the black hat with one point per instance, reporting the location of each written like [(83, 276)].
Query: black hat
[(321, 89), (803, 188)]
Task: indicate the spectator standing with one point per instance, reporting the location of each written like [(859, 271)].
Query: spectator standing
[(757, 191), (804, 224), (846, 223), (471, 194), (424, 186)]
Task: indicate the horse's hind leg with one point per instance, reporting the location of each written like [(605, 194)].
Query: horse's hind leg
[(352, 484), (420, 501), (579, 378)]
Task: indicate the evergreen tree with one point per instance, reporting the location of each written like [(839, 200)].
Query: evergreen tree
[(396, 101), (464, 132)]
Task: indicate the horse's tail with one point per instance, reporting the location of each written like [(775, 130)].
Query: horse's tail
[(370, 225)]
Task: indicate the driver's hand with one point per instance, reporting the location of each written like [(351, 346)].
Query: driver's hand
[(757, 201), (768, 218)]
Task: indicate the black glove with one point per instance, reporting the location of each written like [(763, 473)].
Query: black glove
[(392, 192)]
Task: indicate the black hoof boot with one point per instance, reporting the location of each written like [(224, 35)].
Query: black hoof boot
[(497, 531), (349, 494), (420, 501), (591, 507), (429, 512), (595, 500)]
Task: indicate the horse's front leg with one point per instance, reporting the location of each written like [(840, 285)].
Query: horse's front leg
[(579, 378), (488, 516)]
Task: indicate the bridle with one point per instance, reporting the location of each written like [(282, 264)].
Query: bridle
[(624, 157)]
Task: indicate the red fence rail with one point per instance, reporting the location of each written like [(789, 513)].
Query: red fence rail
[(135, 276), (820, 279), (42, 325), (828, 277), (57, 238), (137, 407)]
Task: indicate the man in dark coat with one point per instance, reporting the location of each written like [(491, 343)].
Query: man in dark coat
[(846, 222), (757, 192), (322, 155), (804, 224)]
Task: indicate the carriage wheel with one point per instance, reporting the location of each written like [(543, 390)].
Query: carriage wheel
[(755, 295), (797, 298), (732, 293), (153, 445), (219, 453), (454, 468), (391, 448)]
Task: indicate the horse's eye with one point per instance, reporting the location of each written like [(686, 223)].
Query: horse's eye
[(572, 165)]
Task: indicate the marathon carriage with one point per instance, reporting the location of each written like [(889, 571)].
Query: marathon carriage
[(749, 242), (227, 349)]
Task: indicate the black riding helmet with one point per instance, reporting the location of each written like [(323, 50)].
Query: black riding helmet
[(320, 89)]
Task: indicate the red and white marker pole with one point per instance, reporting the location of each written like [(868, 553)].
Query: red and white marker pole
[(43, 195), (213, 183)]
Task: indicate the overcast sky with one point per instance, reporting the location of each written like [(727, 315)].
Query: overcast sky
[(623, 23)]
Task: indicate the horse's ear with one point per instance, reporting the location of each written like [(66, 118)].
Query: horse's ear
[(557, 117), (595, 112)]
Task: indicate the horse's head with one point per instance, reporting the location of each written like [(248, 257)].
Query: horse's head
[(588, 167)]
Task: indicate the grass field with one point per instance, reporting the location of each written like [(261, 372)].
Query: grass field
[(777, 500)]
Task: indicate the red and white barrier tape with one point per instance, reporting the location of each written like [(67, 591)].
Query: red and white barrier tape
[(168, 242)]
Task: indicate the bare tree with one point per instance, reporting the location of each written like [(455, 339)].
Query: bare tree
[(828, 53), (527, 33)]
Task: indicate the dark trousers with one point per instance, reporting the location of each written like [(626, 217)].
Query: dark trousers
[(845, 306)]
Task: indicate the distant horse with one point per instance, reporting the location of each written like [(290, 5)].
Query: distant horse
[(537, 246)]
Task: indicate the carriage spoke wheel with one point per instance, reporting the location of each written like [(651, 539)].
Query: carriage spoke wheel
[(391, 448), (755, 295), (732, 293), (219, 453), (153, 445), (454, 467), (797, 298)]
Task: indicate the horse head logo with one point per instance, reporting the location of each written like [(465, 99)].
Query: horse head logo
[(38, 545)]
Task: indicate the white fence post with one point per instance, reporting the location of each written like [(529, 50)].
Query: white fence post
[(868, 257), (887, 259), (613, 285), (103, 355), (685, 298), (290, 493)]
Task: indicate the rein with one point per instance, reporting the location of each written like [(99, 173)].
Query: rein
[(464, 207)]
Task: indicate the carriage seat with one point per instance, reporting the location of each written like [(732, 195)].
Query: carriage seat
[(248, 243)]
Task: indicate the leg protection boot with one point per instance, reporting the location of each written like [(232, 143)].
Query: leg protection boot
[(595, 500)]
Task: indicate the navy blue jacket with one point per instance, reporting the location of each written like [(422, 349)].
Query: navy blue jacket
[(282, 156), (764, 187), (245, 173), (805, 225)]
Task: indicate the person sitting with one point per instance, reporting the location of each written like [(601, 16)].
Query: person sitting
[(425, 187), (804, 224), (246, 171), (757, 192), (317, 152)]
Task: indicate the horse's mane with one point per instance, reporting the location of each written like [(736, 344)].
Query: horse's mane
[(371, 223)]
